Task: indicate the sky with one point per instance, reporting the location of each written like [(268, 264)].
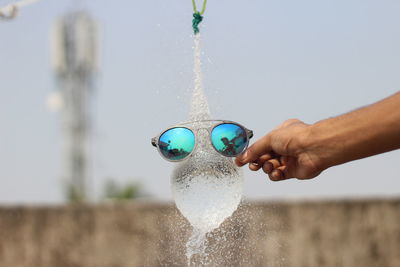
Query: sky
[(263, 62)]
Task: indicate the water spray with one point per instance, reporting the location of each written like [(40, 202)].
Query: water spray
[(207, 187)]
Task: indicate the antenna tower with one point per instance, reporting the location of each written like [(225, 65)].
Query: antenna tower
[(74, 44)]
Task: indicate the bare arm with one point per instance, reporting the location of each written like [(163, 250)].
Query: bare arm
[(367, 131), (297, 150)]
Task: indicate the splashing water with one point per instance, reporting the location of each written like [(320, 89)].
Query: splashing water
[(199, 109), (207, 187)]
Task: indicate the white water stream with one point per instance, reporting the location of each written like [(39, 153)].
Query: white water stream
[(207, 187)]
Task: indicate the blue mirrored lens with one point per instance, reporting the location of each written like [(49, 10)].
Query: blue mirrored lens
[(229, 139), (176, 143)]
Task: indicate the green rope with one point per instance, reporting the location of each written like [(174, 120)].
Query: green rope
[(197, 16)]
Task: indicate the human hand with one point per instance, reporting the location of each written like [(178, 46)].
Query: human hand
[(286, 152)]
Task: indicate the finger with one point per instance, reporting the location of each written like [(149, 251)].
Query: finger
[(284, 160), (258, 164), (265, 157), (255, 166), (287, 172), (262, 159), (276, 175), (262, 146), (270, 165), (275, 162), (282, 173)]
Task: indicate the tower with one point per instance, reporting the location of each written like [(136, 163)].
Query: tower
[(74, 59)]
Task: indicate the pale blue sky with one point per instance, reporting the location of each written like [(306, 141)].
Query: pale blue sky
[(264, 62)]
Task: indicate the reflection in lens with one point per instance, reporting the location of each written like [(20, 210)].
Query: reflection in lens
[(229, 139), (176, 143)]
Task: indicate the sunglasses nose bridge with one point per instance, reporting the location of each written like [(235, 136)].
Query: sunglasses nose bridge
[(203, 132), (203, 135)]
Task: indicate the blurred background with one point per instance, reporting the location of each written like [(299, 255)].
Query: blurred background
[(263, 62)]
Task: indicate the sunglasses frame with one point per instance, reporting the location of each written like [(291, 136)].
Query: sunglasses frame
[(154, 140)]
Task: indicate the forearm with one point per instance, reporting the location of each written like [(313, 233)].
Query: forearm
[(368, 131)]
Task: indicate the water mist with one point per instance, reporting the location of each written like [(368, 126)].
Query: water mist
[(207, 187)]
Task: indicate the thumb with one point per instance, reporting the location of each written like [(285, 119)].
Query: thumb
[(259, 148)]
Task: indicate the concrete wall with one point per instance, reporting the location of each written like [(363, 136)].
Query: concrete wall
[(330, 233)]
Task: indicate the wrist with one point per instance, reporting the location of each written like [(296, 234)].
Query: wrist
[(323, 145)]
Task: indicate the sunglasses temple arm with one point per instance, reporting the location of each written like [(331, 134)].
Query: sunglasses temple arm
[(250, 133), (154, 141)]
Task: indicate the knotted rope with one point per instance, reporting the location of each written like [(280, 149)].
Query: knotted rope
[(197, 16)]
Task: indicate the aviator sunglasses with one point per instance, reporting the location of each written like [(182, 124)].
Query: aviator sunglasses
[(228, 138)]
